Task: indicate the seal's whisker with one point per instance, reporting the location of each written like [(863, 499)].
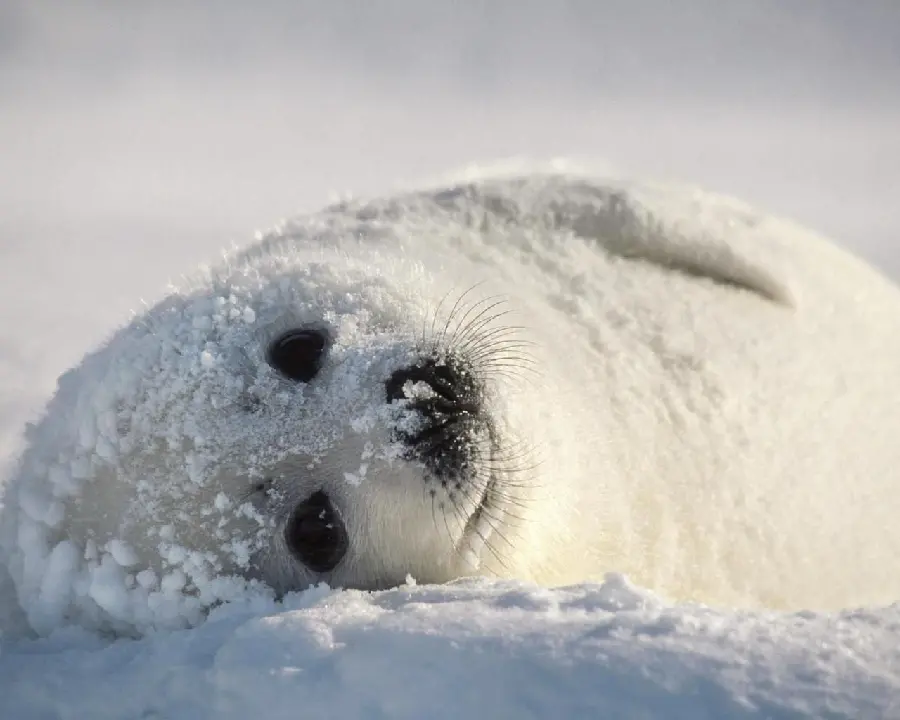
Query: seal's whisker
[(487, 341), (496, 518), (458, 513), (469, 323), (494, 523), (436, 314), (439, 341), (512, 367), (492, 336), (482, 357), (515, 451), (505, 358), (477, 330), (494, 551), (482, 319), (443, 505)]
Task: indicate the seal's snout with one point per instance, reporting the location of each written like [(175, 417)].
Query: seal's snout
[(437, 388), (447, 401), (315, 534)]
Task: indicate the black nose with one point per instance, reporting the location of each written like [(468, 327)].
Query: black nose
[(316, 535), (453, 389), (449, 414)]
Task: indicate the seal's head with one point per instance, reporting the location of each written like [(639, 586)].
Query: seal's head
[(299, 415)]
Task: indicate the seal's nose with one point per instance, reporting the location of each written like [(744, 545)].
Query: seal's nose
[(450, 389), (445, 396), (316, 535)]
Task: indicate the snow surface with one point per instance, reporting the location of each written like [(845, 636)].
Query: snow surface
[(473, 648)]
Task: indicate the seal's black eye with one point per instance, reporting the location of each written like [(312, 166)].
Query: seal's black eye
[(316, 535), (297, 354)]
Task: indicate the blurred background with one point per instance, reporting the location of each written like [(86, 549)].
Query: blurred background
[(137, 139)]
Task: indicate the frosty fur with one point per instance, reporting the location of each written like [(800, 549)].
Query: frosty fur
[(700, 396)]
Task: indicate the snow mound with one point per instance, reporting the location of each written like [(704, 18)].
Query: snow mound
[(473, 648)]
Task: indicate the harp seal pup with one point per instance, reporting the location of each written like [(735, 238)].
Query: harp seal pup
[(545, 376)]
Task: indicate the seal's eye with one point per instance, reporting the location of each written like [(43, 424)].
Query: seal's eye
[(297, 354), (316, 535)]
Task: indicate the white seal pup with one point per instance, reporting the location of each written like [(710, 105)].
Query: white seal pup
[(648, 380)]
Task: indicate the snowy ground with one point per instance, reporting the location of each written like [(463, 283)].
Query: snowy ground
[(137, 145), (472, 649)]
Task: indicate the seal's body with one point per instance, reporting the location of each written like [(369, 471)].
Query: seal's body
[(545, 377)]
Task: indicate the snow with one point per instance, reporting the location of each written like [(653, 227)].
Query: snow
[(473, 648)]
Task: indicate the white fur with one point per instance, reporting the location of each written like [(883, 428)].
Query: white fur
[(711, 410)]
